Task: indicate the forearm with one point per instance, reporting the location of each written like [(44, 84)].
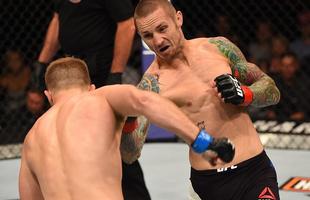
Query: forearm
[(132, 143), (265, 92), (167, 115), (122, 45), (51, 42), (164, 114), (173, 120), (48, 52), (263, 87)]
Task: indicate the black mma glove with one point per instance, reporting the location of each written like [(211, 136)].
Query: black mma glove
[(114, 78), (37, 77), (224, 149), (232, 91)]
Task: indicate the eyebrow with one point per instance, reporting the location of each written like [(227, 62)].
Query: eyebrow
[(145, 32), (157, 27)]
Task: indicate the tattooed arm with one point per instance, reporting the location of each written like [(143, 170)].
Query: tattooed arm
[(265, 91), (132, 143)]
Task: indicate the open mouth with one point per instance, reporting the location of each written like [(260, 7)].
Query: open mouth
[(163, 48)]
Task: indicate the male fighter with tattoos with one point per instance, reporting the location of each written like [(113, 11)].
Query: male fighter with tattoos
[(73, 150), (211, 81)]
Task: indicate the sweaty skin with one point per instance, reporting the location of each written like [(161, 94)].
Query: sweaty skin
[(191, 90), (67, 161), (73, 150), (185, 71)]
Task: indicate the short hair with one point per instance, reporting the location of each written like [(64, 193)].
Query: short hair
[(66, 73), (146, 7), (35, 91), (290, 54)]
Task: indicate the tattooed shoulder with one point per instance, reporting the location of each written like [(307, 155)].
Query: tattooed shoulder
[(149, 82), (228, 49), (238, 63)]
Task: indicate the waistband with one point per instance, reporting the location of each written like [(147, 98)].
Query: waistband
[(256, 160)]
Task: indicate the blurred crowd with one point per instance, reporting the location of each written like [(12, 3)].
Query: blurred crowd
[(286, 61)]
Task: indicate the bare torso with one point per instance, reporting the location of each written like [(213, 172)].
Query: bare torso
[(74, 152), (188, 84)]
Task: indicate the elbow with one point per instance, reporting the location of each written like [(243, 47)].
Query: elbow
[(272, 92), (130, 158), (276, 93), (130, 150), (131, 26), (129, 161)]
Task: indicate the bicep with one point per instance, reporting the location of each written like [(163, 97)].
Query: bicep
[(247, 73), (244, 71), (28, 186)]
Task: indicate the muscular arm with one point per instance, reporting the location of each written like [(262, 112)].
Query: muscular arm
[(131, 144), (122, 44), (264, 90), (158, 110), (51, 42)]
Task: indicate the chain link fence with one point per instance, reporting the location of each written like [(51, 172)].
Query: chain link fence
[(271, 33)]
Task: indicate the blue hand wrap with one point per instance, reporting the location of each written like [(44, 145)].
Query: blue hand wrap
[(202, 141)]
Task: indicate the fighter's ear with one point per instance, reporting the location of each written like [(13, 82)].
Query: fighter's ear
[(48, 95), (179, 18), (92, 87)]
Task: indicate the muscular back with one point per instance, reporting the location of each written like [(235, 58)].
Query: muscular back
[(77, 148), (188, 84)]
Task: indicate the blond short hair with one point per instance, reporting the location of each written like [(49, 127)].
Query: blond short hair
[(146, 7), (66, 73)]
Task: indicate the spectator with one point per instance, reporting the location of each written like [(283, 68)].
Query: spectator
[(16, 124), (223, 27), (260, 49), (280, 46), (301, 46), (294, 89), (15, 80), (35, 103)]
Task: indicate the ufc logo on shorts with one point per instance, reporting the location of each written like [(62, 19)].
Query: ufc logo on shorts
[(224, 169)]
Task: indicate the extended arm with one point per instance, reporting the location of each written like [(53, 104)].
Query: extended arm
[(263, 88), (165, 114), (158, 110)]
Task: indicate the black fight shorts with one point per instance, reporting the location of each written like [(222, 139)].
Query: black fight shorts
[(133, 184), (253, 179)]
